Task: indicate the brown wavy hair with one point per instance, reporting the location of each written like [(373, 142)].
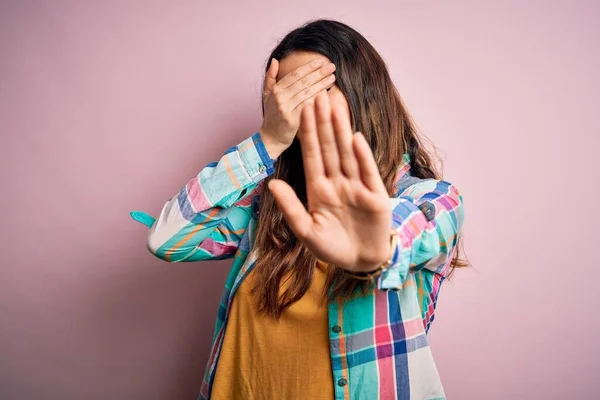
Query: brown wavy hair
[(378, 112)]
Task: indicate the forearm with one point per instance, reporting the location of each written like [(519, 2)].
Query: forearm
[(428, 219), (212, 208)]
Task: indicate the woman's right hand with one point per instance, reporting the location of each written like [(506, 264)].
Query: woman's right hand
[(283, 101)]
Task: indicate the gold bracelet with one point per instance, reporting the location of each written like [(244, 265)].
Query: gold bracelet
[(371, 275)]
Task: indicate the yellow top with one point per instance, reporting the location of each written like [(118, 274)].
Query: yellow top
[(263, 358)]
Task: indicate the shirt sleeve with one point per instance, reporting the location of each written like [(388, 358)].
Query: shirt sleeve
[(208, 217), (428, 218)]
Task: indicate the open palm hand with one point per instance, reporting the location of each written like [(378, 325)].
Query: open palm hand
[(348, 218)]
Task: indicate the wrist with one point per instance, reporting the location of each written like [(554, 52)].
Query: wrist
[(384, 258), (273, 146), (372, 271)]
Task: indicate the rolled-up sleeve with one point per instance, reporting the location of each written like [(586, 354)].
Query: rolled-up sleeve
[(207, 218), (427, 217)]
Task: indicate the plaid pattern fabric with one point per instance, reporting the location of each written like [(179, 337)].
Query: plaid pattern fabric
[(379, 347)]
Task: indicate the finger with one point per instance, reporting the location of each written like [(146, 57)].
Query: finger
[(343, 137), (369, 172), (329, 151), (309, 143), (299, 73), (292, 208), (311, 84), (271, 77), (312, 91)]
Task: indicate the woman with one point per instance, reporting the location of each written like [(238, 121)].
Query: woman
[(340, 241)]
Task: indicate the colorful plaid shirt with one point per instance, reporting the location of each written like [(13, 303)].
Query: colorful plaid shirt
[(378, 342)]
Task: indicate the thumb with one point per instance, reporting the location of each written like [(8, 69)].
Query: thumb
[(270, 76), (292, 208)]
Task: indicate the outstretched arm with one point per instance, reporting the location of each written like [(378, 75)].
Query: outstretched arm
[(350, 213)]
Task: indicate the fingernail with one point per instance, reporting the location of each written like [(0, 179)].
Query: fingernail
[(318, 63)]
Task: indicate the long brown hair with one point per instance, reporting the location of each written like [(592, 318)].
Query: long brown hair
[(378, 112)]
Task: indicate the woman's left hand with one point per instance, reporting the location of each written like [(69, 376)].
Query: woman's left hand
[(348, 220)]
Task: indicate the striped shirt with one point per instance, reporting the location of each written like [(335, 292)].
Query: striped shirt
[(378, 342)]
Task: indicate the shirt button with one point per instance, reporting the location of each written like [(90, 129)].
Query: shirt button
[(262, 168), (336, 329), (429, 210), (342, 382)]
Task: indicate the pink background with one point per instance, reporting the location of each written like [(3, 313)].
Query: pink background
[(108, 107)]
